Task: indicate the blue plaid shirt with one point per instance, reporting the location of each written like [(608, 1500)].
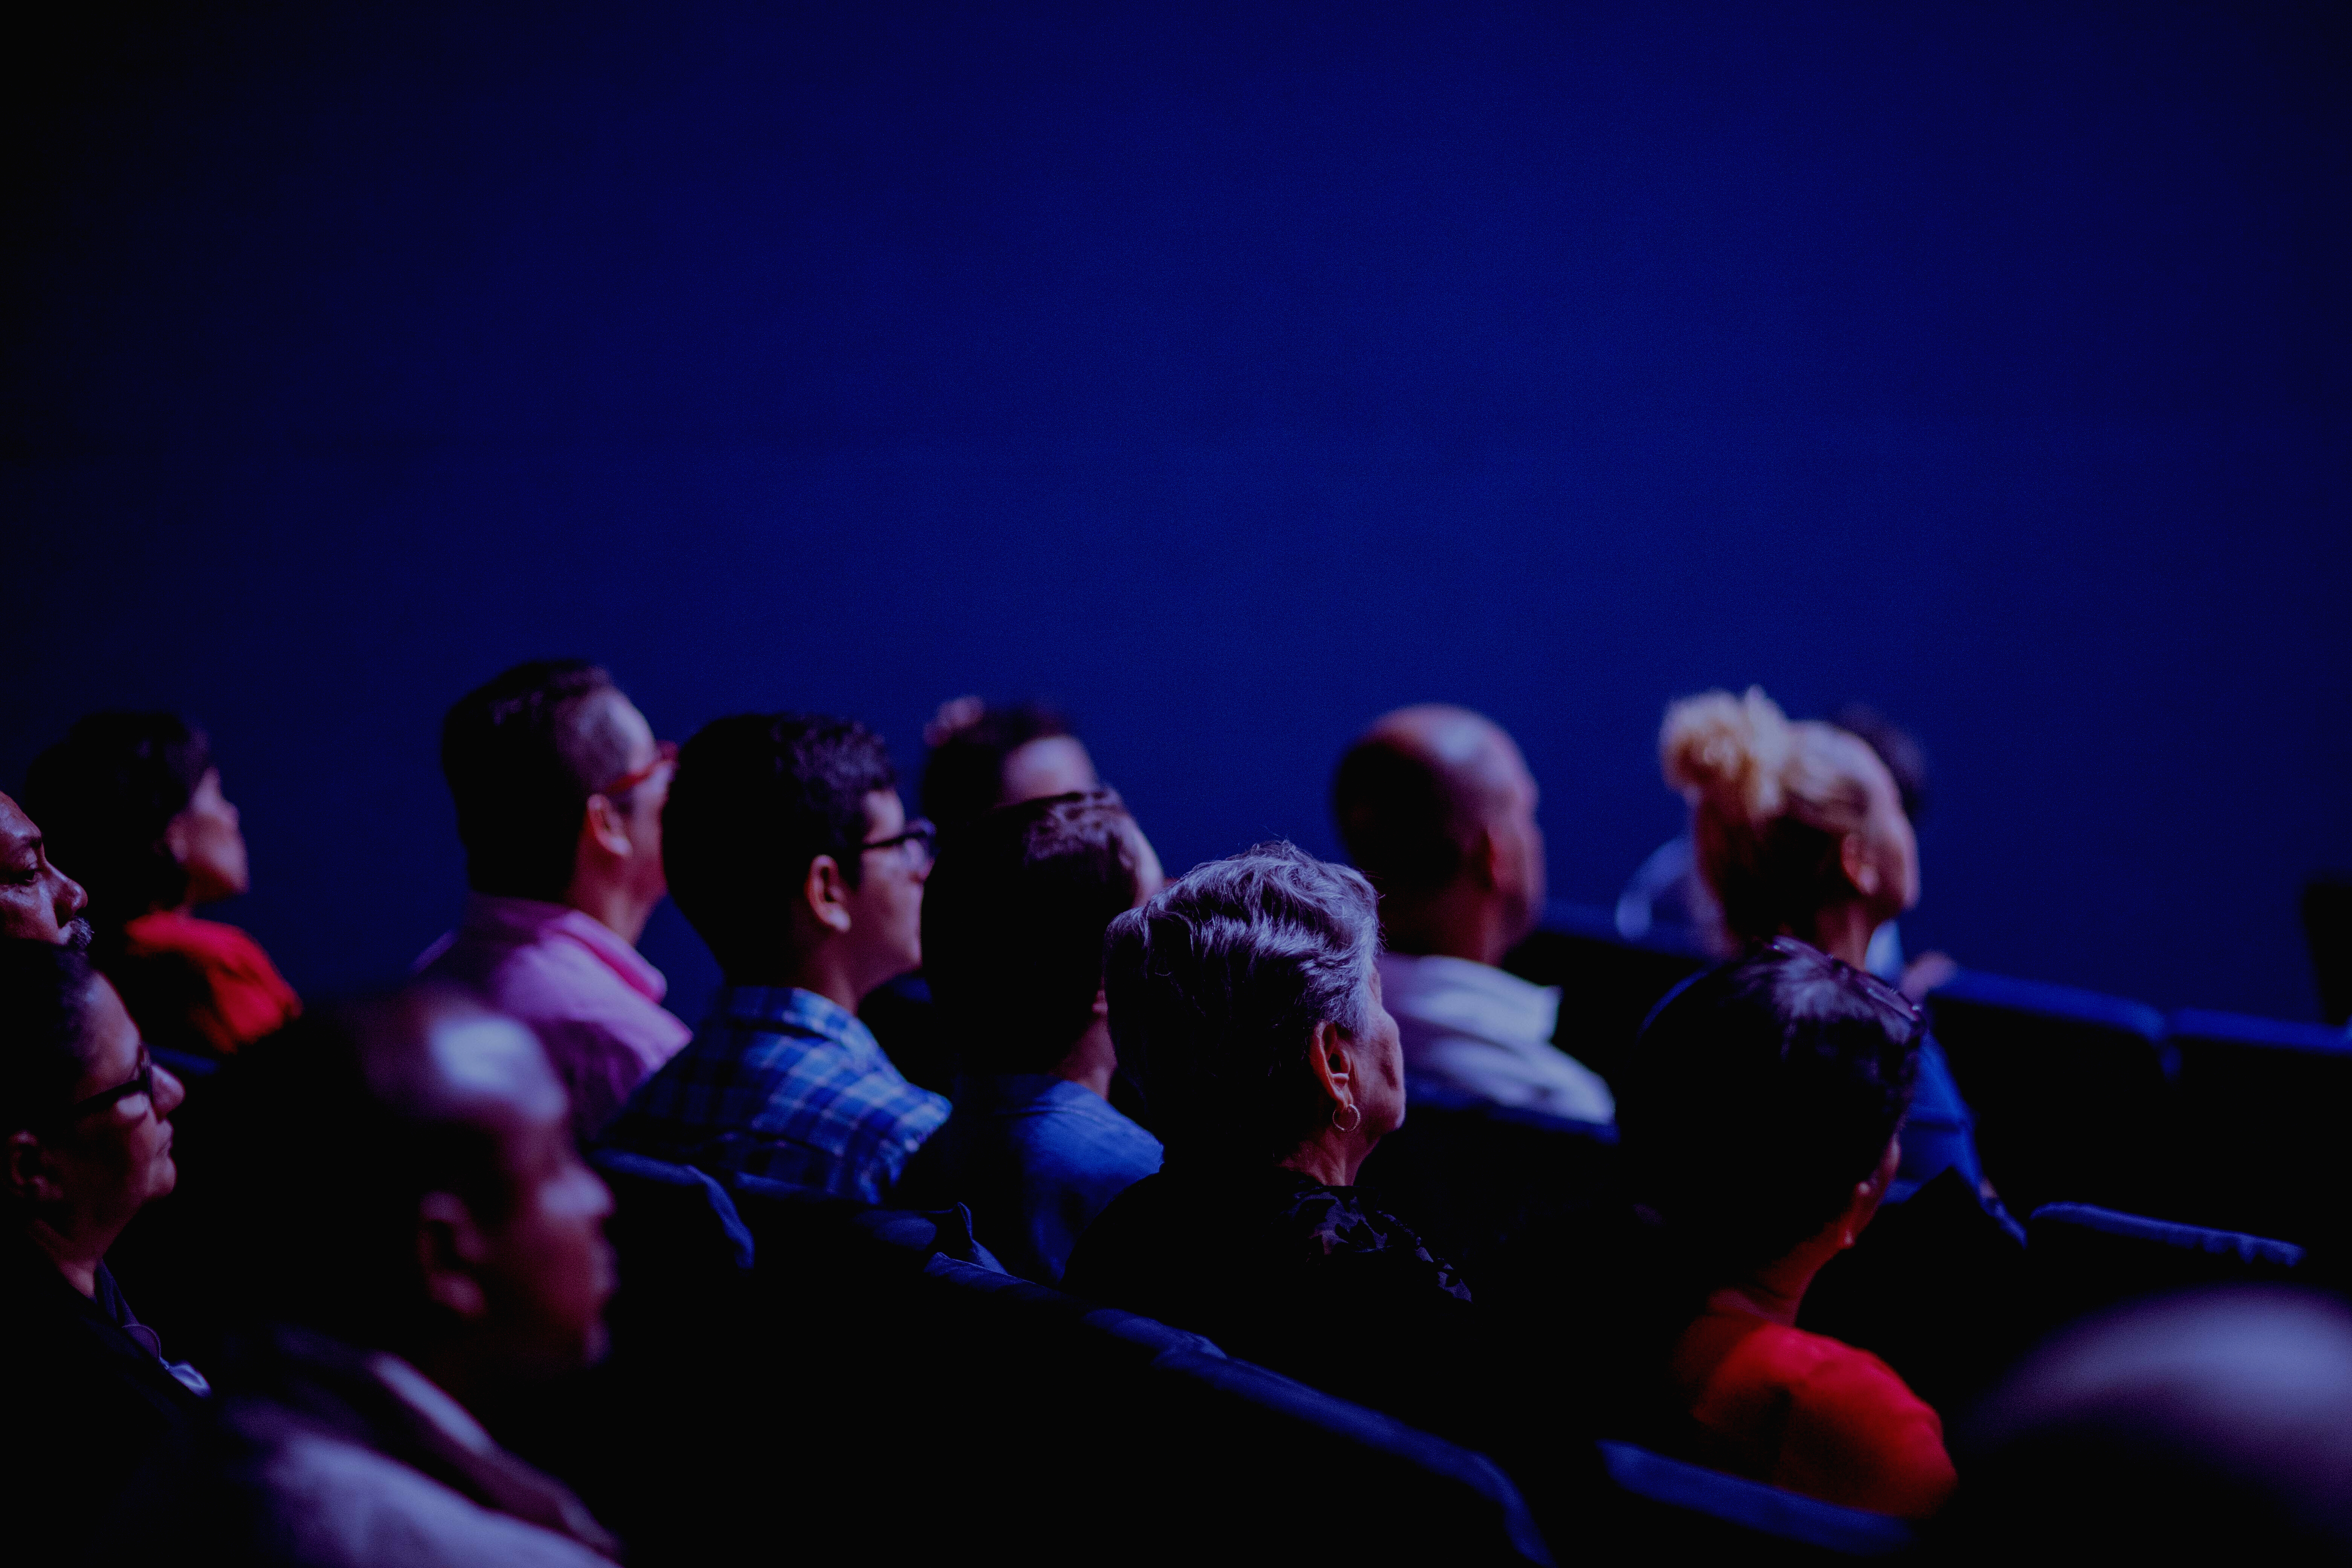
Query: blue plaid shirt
[(780, 1082)]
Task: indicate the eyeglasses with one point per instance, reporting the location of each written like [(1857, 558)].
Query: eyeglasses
[(920, 841), (664, 754), (106, 1098)]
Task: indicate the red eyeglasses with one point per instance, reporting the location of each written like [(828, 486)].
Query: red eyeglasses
[(664, 754)]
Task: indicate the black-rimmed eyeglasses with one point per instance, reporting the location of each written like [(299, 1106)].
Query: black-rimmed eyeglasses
[(918, 840), (106, 1098)]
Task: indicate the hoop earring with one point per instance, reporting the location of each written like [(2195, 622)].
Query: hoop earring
[(1355, 1119)]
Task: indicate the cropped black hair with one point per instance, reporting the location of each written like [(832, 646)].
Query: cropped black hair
[(1013, 917), (103, 797), (755, 799), (523, 753), (964, 776), (1758, 1096), (45, 1041)]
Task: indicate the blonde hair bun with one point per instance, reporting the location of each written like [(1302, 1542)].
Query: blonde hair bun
[(1731, 752)]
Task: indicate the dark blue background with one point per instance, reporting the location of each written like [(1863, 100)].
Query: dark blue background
[(1229, 374)]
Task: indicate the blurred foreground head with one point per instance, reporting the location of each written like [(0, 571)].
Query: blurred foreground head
[(2215, 1426), (403, 1177)]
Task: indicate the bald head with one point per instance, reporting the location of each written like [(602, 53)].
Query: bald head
[(435, 1057), (1436, 807)]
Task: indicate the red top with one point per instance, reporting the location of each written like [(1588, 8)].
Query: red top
[(1805, 1412), (239, 996)]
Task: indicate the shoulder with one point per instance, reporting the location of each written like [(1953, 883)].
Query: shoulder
[(1854, 1432), (333, 1502)]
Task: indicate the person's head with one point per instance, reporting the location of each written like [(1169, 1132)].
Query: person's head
[(1905, 759), (37, 901), (786, 834), (132, 803), (85, 1114), (982, 757), (1760, 1107), (1436, 807), (1245, 1000), (1013, 918), (1790, 821), (558, 785), (2210, 1427), (405, 1178)]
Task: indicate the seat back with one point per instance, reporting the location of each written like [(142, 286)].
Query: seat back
[(1163, 1448), (2270, 1101), (2327, 929), (1473, 1177), (2084, 1258), (1608, 984), (1667, 1510), (2071, 1090)]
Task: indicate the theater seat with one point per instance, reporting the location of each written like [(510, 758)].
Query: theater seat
[(2084, 1258), (1180, 1452), (2070, 1087), (1608, 984), (1473, 1177), (2265, 1104), (1666, 1510)]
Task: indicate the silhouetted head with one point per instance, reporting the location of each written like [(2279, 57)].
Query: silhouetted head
[(1014, 918), (1239, 991), (1758, 1098), (1437, 808), (2209, 1427), (401, 1173), (1789, 820), (39, 902), (982, 757), (84, 1114), (132, 803), (785, 833), (556, 777)]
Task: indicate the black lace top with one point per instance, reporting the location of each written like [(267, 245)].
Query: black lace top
[(1309, 1279)]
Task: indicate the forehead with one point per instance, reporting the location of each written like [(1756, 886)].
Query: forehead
[(17, 829)]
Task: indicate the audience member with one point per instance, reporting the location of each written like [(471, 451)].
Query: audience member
[(37, 901), (1014, 918), (2212, 1427), (1798, 830), (1245, 999), (789, 850), (981, 758), (559, 786), (413, 1237), (97, 1416), (1438, 810), (133, 803), (1758, 1124), (1669, 893)]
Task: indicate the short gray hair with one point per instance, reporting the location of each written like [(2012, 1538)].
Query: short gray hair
[(1216, 986)]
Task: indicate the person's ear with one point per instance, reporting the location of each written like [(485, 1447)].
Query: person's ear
[(176, 838), (450, 1251), (827, 893), (1333, 1063), (606, 826), (1102, 1006), (30, 1174), (1869, 1192), (1860, 865)]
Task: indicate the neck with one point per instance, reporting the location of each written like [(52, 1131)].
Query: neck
[(1092, 1060), (77, 1251), (1844, 932), (613, 905), (825, 970), (1775, 1291), (1459, 921), (1331, 1158)]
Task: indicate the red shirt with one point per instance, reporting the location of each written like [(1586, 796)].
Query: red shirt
[(234, 994), (1806, 1412)]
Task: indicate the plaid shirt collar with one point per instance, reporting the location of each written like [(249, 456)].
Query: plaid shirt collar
[(788, 1009)]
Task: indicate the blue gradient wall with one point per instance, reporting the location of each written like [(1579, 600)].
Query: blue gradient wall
[(1229, 374)]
